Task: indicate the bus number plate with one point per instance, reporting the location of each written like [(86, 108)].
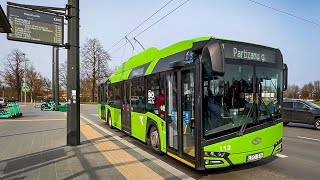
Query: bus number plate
[(254, 157)]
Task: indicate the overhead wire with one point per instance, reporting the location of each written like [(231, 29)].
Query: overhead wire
[(152, 25), (140, 24), (289, 14)]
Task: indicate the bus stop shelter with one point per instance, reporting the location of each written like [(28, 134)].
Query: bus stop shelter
[(4, 22)]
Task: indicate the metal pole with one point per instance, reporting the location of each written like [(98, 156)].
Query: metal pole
[(25, 79), (53, 72), (56, 79), (73, 84)]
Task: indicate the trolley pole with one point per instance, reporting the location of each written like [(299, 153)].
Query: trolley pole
[(25, 79), (56, 79), (53, 69), (73, 84)]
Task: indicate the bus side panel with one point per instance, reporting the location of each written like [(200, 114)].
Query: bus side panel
[(99, 111), (161, 129), (138, 126), (107, 111), (116, 118)]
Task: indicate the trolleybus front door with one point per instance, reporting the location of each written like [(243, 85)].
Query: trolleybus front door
[(180, 104)]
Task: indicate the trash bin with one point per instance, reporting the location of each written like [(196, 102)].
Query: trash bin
[(63, 108)]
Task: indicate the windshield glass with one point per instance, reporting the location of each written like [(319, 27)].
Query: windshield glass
[(312, 105), (228, 100), (268, 80)]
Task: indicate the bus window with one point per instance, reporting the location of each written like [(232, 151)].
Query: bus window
[(138, 95), (155, 95), (117, 96), (110, 94)]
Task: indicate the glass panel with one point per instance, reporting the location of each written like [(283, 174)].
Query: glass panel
[(187, 78), (172, 110), (288, 105), (137, 95), (299, 105), (312, 105), (110, 93), (117, 95), (228, 102), (268, 80), (155, 95)]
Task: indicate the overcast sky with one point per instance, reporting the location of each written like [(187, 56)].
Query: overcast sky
[(242, 20)]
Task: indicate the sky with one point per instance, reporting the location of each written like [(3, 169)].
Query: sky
[(243, 20)]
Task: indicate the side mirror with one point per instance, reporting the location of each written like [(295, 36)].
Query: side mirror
[(213, 58), (306, 108), (285, 77)]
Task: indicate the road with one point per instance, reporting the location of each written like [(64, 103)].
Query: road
[(300, 158)]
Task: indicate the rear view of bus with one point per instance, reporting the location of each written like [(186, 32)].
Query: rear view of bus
[(242, 86)]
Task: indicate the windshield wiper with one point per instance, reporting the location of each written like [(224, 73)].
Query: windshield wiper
[(243, 127)]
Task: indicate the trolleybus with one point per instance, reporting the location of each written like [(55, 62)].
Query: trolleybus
[(207, 102)]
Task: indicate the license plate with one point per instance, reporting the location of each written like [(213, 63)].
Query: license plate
[(254, 157)]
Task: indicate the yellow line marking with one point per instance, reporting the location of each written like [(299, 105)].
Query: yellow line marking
[(127, 165), (180, 159), (31, 120)]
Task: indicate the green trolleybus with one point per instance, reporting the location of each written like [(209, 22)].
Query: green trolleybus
[(207, 102)]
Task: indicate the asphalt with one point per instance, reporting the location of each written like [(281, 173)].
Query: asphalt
[(300, 158), (34, 147)]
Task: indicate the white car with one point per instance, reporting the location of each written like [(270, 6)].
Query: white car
[(2, 102)]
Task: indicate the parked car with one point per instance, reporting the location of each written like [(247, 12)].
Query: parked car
[(2, 102), (301, 111)]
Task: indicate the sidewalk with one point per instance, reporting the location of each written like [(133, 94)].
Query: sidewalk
[(34, 147)]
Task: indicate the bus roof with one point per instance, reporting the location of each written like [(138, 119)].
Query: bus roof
[(149, 58), (224, 39)]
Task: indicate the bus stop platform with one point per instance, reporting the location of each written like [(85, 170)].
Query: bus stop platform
[(34, 147)]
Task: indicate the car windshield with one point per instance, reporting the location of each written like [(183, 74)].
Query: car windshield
[(312, 105)]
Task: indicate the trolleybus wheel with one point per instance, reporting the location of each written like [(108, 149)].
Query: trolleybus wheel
[(109, 120), (154, 140)]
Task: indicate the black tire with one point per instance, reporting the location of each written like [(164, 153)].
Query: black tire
[(153, 140), (285, 123), (109, 120), (317, 124)]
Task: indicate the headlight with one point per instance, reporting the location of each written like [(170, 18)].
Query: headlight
[(216, 154), (208, 162)]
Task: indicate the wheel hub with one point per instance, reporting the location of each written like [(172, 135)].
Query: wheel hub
[(154, 139), (318, 124)]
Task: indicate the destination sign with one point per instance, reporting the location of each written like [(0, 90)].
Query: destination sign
[(248, 52), (35, 27)]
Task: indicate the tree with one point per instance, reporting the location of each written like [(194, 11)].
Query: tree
[(316, 85), (46, 88), (63, 78), (307, 90), (13, 71), (292, 91), (94, 63), (34, 82)]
